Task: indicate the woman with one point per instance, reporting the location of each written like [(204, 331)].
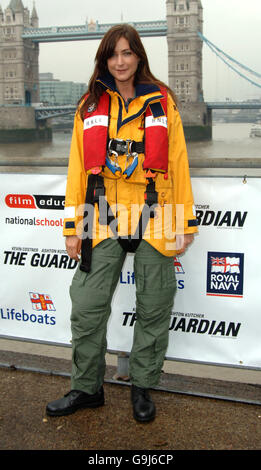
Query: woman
[(128, 139)]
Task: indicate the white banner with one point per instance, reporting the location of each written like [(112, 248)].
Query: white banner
[(216, 314)]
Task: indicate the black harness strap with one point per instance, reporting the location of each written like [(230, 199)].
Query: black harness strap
[(95, 188), (96, 194), (131, 244), (151, 196)]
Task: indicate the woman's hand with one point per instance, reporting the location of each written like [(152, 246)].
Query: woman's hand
[(73, 246), (183, 241)]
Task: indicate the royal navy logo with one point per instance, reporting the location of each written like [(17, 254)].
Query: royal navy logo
[(225, 274)]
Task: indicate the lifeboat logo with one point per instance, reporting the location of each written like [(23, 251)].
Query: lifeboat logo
[(41, 302)]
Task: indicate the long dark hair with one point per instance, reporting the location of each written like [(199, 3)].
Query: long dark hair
[(105, 51)]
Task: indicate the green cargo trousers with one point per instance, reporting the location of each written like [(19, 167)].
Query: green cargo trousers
[(91, 295)]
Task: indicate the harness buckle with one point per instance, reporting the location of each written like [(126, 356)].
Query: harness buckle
[(110, 149), (151, 197), (128, 144), (131, 166), (113, 165), (122, 147)]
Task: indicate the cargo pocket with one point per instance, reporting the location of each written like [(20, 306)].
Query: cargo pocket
[(168, 275), (77, 283), (155, 277), (79, 277)]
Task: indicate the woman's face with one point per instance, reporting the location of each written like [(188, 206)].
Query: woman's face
[(123, 63)]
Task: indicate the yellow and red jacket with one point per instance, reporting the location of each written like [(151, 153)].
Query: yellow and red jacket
[(155, 148), (175, 209)]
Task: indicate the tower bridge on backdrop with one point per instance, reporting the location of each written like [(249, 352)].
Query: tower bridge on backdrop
[(182, 28), (47, 112), (91, 31)]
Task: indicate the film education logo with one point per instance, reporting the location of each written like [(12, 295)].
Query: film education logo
[(28, 201), (225, 274)]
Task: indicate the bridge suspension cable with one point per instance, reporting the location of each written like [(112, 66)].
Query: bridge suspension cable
[(226, 58)]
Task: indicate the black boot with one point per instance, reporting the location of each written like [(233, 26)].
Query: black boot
[(143, 406), (74, 400)]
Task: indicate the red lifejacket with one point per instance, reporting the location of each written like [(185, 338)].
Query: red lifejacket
[(95, 134)]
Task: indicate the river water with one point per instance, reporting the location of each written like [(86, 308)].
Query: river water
[(230, 140)]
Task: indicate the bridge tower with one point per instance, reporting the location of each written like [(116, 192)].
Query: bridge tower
[(19, 77), (184, 20), (19, 72)]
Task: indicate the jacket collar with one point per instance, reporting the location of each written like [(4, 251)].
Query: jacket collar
[(147, 93), (141, 88)]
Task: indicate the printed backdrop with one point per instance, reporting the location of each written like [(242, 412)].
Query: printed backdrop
[(216, 314)]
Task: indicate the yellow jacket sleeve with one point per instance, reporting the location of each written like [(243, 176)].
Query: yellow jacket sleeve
[(179, 171), (76, 180)]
